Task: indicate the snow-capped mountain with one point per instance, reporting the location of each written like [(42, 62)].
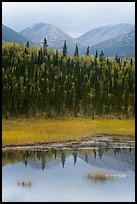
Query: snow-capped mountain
[(104, 33), (122, 45), (113, 39), (55, 36), (39, 31)]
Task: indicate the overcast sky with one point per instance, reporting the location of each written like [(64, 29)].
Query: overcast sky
[(75, 18)]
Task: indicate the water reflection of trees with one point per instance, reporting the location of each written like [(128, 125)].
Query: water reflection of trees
[(86, 158), (49, 156), (94, 152), (100, 152), (63, 158), (75, 156)]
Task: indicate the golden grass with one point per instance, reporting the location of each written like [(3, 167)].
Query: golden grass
[(101, 176), (29, 131)]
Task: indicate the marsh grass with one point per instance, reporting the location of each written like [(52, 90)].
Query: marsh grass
[(102, 176), (23, 131), (25, 183)]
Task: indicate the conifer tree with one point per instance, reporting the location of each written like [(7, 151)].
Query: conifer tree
[(102, 56), (131, 62), (116, 58), (76, 53), (96, 56), (64, 49), (87, 53), (45, 45), (27, 44)]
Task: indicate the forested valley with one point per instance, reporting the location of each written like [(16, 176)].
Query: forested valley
[(42, 81)]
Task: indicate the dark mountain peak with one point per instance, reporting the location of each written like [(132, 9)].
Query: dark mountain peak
[(9, 35)]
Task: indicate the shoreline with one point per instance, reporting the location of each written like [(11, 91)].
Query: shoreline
[(22, 132), (64, 144)]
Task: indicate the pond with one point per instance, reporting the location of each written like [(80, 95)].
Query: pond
[(59, 172)]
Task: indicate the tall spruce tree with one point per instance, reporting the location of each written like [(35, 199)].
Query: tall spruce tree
[(45, 45), (26, 48), (102, 56), (96, 56), (87, 53), (116, 58), (27, 44), (64, 49), (76, 53)]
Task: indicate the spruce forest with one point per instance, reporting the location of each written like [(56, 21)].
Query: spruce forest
[(41, 81)]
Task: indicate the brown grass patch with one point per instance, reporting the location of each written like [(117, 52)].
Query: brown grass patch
[(101, 176), (24, 183)]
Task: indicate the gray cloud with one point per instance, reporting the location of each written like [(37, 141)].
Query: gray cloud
[(75, 18)]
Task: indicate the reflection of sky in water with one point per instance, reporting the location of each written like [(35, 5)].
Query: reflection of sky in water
[(67, 184)]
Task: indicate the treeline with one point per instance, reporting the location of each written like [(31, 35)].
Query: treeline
[(41, 81), (17, 156)]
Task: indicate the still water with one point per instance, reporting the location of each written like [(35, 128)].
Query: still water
[(58, 173)]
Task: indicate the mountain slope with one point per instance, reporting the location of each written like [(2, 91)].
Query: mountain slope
[(9, 35), (113, 39), (120, 162), (104, 33), (39, 31), (55, 36), (123, 45)]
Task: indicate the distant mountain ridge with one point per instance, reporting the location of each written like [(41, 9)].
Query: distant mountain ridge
[(122, 45), (9, 35), (108, 161), (38, 32), (112, 39), (55, 36), (104, 33)]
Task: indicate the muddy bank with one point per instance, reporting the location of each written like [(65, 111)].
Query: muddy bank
[(115, 141)]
